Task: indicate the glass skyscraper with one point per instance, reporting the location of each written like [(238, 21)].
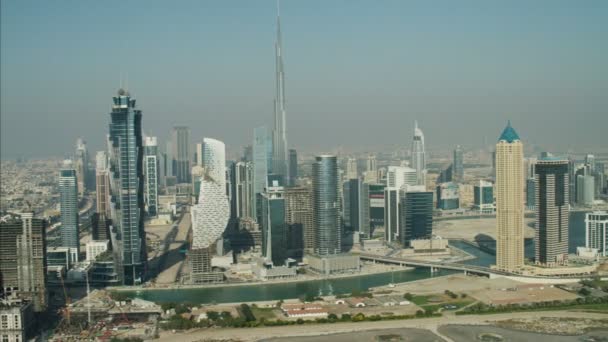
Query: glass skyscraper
[(326, 205), (68, 191), (416, 220), (151, 170), (127, 187), (274, 228), (262, 162), (181, 153), (458, 164)]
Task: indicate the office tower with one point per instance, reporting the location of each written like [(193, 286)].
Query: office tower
[(351, 169), (509, 201), (298, 212), (81, 165), (68, 195), (529, 167), (209, 220), (151, 166), (552, 211), (446, 175), (100, 227), (590, 161), (293, 167), (243, 190), (274, 228), (375, 204), (102, 183), (351, 204), (23, 258), (180, 142), (458, 164), (199, 154), (419, 155), (483, 197), (493, 157), (326, 206), (585, 190), (372, 164), (262, 162), (448, 196), (530, 193), (596, 231), (168, 157), (214, 160), (279, 142), (127, 188), (396, 178), (416, 221)]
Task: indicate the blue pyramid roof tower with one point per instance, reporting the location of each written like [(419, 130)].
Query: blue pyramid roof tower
[(508, 134)]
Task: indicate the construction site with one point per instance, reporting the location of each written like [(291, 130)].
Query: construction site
[(98, 316)]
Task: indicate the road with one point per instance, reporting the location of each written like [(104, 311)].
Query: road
[(171, 262), (432, 324)]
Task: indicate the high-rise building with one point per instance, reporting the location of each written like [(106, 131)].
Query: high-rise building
[(351, 204), (483, 197), (23, 259), (596, 231), (458, 163), (552, 211), (396, 178), (298, 212), (419, 155), (293, 167), (81, 165), (68, 195), (351, 169), (416, 221), (585, 189), (262, 162), (214, 160), (326, 206), (531, 193), (168, 157), (243, 190), (448, 196), (371, 164), (127, 188), (279, 142), (446, 175), (199, 154), (209, 221), (180, 142), (102, 183), (274, 228), (509, 201), (151, 167)]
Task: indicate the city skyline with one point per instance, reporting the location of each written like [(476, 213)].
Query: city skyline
[(325, 88)]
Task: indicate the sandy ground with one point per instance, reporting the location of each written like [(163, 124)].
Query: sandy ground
[(432, 324), (171, 239), (405, 335), (469, 228), (457, 283), (466, 333)]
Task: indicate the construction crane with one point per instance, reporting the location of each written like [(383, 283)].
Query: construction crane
[(67, 300)]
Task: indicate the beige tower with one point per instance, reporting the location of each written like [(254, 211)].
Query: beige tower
[(509, 201)]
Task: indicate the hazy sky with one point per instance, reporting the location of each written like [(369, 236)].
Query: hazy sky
[(357, 72)]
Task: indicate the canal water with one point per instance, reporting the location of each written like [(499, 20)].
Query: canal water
[(277, 291)]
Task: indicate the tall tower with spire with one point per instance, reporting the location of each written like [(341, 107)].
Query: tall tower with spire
[(419, 155), (279, 133)]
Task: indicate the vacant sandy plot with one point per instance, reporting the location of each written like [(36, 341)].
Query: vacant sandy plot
[(469, 228), (524, 293), (462, 333), (374, 335), (458, 283)]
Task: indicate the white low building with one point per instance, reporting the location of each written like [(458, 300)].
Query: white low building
[(95, 248)]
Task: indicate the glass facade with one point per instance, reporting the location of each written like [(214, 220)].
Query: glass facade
[(274, 229), (326, 206), (416, 216), (68, 192)]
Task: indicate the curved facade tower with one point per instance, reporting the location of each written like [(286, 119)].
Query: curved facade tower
[(214, 160), (418, 161), (509, 201), (210, 216), (279, 133)]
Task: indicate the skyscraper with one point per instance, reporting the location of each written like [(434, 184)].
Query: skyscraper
[(509, 201), (552, 211), (596, 231), (280, 154), (180, 142), (458, 164), (531, 193), (351, 204), (448, 196), (151, 167), (396, 178), (326, 205), (293, 167), (127, 188), (68, 193), (274, 228), (483, 197), (81, 165), (243, 190), (585, 190), (351, 169), (102, 183), (298, 211), (214, 160), (416, 221), (419, 155), (23, 258), (262, 161), (372, 164)]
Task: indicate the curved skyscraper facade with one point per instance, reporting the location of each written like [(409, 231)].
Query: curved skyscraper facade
[(214, 159), (326, 205), (418, 156), (210, 216)]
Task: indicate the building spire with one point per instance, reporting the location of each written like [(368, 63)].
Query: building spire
[(280, 164)]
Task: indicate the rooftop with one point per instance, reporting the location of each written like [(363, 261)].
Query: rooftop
[(508, 134)]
